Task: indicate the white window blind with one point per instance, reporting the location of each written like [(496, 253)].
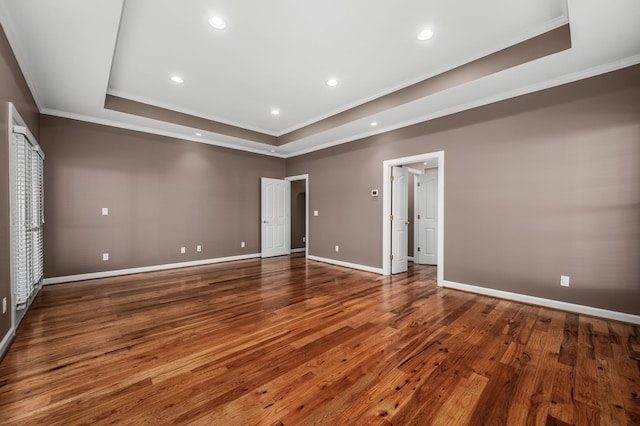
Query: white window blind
[(27, 217)]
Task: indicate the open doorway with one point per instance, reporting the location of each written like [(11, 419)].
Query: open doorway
[(299, 213), (389, 243)]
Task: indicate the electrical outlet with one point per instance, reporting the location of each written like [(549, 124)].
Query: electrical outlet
[(183, 250), (242, 244), (105, 211), (315, 212), (4, 305), (198, 248), (105, 256), (564, 280), (337, 249)]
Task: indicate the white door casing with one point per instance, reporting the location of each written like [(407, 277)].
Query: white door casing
[(276, 217), (399, 219), (387, 166), (305, 178), (426, 218)]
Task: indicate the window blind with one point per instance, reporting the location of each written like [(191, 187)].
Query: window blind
[(27, 218)]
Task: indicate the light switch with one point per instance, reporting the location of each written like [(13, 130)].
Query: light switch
[(105, 256), (105, 211), (315, 212)]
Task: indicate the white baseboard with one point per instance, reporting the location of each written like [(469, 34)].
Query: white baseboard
[(298, 250), (548, 303), (6, 341), (410, 258), (346, 264), (104, 274)]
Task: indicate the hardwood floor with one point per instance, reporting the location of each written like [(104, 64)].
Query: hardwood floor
[(288, 341)]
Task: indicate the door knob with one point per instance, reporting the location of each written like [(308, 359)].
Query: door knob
[(265, 221), (406, 222)]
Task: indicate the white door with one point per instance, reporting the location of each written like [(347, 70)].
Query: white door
[(399, 219), (426, 218), (276, 217)]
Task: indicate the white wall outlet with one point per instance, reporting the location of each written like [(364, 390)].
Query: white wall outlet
[(242, 244), (183, 250), (198, 247), (564, 280), (315, 212), (337, 248), (105, 211), (105, 256), (374, 192), (4, 305)]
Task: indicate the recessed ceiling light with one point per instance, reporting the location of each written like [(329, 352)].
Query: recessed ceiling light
[(275, 112), (177, 79), (332, 82), (217, 22), (425, 34), (374, 123), (198, 134), (272, 150)]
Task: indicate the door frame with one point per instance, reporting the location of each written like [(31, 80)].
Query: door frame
[(304, 177), (386, 208)]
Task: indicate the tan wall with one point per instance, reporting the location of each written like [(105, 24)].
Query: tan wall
[(161, 193), (5, 229), (298, 222), (13, 88), (535, 187)]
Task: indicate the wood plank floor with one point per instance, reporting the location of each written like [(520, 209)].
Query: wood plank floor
[(290, 342)]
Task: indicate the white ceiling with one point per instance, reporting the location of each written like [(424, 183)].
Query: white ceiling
[(279, 54)]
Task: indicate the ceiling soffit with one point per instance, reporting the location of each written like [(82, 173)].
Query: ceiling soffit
[(545, 44)]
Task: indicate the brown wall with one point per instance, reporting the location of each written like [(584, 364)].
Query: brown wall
[(162, 194), (535, 187), (13, 88), (298, 204)]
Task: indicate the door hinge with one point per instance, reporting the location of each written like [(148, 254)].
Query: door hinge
[(418, 183), (418, 248), (391, 178), (391, 217), (391, 257), (418, 216)]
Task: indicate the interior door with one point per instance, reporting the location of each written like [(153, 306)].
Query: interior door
[(399, 219), (426, 218), (276, 217)]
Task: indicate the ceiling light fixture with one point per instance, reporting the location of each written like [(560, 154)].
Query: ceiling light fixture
[(332, 82), (275, 112), (425, 35), (177, 79), (218, 23), (374, 123), (198, 134), (272, 150)]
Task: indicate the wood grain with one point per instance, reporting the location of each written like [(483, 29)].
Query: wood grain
[(286, 341)]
